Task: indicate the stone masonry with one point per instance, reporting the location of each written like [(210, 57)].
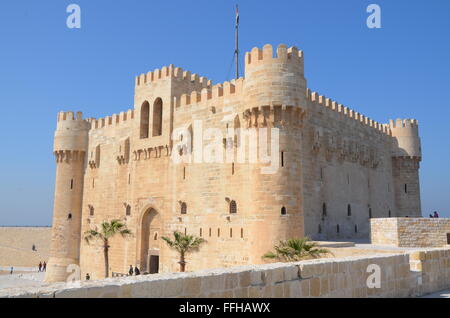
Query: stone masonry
[(411, 274), (411, 232), (334, 169)]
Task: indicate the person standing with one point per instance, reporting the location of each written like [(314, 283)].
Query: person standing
[(436, 215), (44, 267), (40, 267), (137, 271), (131, 270), (12, 270), (88, 277)]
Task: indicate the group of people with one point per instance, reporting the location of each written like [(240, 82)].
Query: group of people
[(134, 271), (42, 267), (435, 215)]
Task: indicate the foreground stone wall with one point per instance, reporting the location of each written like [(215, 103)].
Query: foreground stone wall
[(16, 245), (402, 275), (410, 232)]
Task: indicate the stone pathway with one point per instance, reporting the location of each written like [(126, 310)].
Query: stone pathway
[(22, 280)]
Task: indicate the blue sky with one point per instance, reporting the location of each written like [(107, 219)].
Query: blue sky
[(401, 70)]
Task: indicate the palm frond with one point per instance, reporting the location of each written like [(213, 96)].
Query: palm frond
[(296, 249)]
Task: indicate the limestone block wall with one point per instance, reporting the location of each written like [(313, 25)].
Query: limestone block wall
[(410, 232), (335, 169), (16, 245), (402, 275)]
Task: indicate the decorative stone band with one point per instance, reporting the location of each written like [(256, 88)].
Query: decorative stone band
[(69, 156), (271, 116), (152, 152)]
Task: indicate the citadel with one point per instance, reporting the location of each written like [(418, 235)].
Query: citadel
[(336, 169)]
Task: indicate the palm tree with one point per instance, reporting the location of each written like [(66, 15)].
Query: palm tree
[(108, 230), (183, 244), (296, 249)]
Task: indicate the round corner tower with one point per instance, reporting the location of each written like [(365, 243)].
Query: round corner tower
[(278, 80), (406, 157), (70, 147), (274, 95)]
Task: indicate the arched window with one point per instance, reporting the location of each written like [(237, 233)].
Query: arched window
[(157, 117), (337, 228), (349, 210), (406, 188), (128, 210), (324, 210), (390, 213), (233, 207), (145, 119), (69, 217), (283, 211), (183, 208), (356, 228), (155, 237)]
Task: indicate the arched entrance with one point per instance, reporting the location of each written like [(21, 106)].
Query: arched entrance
[(150, 238)]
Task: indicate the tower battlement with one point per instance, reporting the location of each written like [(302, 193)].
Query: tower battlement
[(172, 73), (406, 138), (265, 55), (404, 123), (69, 116)]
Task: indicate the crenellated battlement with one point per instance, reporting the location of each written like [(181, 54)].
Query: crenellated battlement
[(114, 120), (288, 152), (347, 112), (265, 55), (406, 138), (69, 116), (224, 90), (404, 123), (172, 73)]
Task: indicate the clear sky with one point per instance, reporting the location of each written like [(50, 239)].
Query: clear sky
[(399, 71)]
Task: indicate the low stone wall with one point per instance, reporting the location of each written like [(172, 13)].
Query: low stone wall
[(401, 275), (410, 232), (16, 246)]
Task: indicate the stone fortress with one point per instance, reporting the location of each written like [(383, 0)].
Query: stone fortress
[(337, 170)]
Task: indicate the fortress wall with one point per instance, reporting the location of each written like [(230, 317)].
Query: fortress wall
[(346, 161), (401, 275), (333, 155), (157, 183), (16, 246), (411, 232)]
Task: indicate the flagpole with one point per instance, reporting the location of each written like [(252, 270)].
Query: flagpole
[(237, 42)]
